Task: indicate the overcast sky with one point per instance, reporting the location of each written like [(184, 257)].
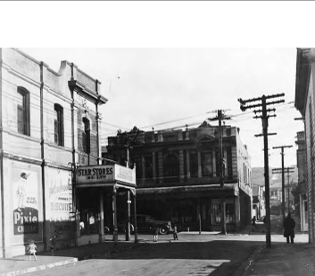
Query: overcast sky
[(185, 82)]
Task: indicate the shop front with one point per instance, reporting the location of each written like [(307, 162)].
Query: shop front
[(96, 192)]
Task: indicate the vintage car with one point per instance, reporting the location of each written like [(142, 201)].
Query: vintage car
[(147, 223)]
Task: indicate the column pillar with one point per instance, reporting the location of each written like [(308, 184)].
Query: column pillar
[(199, 164), (161, 174), (154, 166), (214, 165), (143, 167), (188, 163), (135, 215), (115, 216), (101, 233), (237, 212), (181, 166)]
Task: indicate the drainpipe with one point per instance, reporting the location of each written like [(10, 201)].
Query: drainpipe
[(97, 126), (1, 163), (42, 143), (72, 84)]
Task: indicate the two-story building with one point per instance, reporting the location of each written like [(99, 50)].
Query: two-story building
[(178, 175), (50, 125), (305, 104)]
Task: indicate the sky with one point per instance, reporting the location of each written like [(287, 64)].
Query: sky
[(160, 77)]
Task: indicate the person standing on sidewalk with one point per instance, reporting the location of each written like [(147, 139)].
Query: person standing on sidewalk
[(52, 245), (175, 236), (288, 225), (253, 225), (156, 234), (32, 250)]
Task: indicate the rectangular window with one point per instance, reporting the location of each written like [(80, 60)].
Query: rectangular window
[(230, 213), (148, 166), (216, 214), (193, 161), (206, 160)]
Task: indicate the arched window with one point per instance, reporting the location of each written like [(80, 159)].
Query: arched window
[(86, 136), (23, 111), (58, 123)]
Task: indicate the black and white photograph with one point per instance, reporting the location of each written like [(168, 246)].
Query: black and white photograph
[(157, 138)]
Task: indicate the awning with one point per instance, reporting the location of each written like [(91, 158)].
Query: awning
[(229, 189)]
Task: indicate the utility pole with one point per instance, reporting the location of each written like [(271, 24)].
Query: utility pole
[(220, 117), (288, 174), (128, 144), (282, 170), (264, 117), (283, 191)]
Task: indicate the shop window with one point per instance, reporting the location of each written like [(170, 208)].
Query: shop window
[(23, 111), (230, 213), (58, 123), (216, 213), (193, 161), (86, 136), (206, 160)]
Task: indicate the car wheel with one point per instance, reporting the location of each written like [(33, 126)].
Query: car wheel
[(163, 230), (132, 229)]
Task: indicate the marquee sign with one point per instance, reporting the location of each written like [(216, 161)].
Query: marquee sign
[(105, 174)]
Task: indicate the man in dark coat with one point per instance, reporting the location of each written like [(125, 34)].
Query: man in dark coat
[(288, 225)]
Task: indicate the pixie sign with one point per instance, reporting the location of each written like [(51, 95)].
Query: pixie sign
[(25, 221), (95, 174)]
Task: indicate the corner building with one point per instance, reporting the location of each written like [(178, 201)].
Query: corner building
[(178, 176), (50, 125)]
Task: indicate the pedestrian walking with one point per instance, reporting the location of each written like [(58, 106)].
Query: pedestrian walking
[(31, 249), (253, 225), (175, 236), (288, 225), (156, 234), (52, 245)]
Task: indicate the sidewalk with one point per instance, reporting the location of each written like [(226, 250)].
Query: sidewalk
[(20, 264), (281, 259)]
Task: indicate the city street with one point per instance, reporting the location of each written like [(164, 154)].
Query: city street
[(192, 254)]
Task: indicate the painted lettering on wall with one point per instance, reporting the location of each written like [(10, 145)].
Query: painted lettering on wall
[(60, 195), (95, 173), (25, 221)]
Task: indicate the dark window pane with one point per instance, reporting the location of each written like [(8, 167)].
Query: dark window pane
[(21, 128), (193, 160)]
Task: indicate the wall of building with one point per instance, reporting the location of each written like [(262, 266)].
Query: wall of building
[(47, 192)]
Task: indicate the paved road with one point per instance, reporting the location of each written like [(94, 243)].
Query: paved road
[(191, 255)]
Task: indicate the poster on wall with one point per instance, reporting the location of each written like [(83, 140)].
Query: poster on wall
[(25, 202), (60, 203)]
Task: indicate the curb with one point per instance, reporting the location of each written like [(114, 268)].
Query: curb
[(39, 267), (250, 260), (113, 251)]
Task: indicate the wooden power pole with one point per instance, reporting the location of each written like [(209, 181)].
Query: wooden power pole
[(264, 118)]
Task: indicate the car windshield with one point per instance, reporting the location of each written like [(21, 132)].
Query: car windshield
[(148, 218)]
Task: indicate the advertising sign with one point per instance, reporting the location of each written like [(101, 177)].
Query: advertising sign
[(125, 175), (105, 174), (95, 174), (25, 202)]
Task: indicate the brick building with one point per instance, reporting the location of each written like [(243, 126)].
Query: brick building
[(178, 175)]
